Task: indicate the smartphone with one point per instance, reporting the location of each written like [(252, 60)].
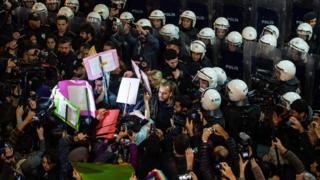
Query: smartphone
[(289, 122)]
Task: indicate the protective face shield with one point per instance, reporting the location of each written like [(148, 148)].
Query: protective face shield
[(53, 5), (189, 15), (198, 46), (288, 98), (65, 11), (210, 100), (73, 5), (249, 33), (221, 75), (94, 19), (221, 26), (144, 23), (271, 29), (304, 29), (269, 40), (207, 33), (158, 14), (237, 90), (40, 9), (234, 38), (28, 3), (221, 23), (126, 17), (300, 45), (102, 10), (285, 70), (171, 31), (209, 75), (117, 25)]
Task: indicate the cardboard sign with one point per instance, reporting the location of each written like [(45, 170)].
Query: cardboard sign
[(80, 93), (100, 63), (107, 126), (66, 111), (141, 75), (128, 90)]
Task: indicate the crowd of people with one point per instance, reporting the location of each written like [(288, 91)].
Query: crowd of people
[(223, 104)]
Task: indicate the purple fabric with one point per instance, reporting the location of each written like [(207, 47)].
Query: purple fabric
[(133, 150)]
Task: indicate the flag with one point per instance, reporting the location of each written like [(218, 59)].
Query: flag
[(90, 171), (92, 51)]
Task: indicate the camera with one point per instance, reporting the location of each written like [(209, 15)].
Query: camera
[(194, 115), (245, 141), (289, 122), (217, 167), (212, 130), (128, 123)]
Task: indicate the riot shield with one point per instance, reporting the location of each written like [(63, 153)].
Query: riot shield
[(232, 63), (76, 24), (299, 9), (316, 87), (271, 12), (305, 71), (236, 11), (171, 9), (258, 63), (52, 19), (22, 15), (137, 8), (202, 13)]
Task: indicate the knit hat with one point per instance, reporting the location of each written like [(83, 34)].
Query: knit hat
[(309, 16)]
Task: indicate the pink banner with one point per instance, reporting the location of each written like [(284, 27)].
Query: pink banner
[(80, 93)]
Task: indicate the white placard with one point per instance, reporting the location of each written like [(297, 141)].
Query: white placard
[(128, 90)]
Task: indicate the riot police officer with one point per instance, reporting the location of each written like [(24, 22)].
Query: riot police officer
[(158, 20), (187, 24), (210, 103), (232, 57), (197, 58), (240, 115), (285, 72), (207, 36)]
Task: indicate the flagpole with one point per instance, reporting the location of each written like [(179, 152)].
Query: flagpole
[(105, 81), (88, 105), (125, 106)]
